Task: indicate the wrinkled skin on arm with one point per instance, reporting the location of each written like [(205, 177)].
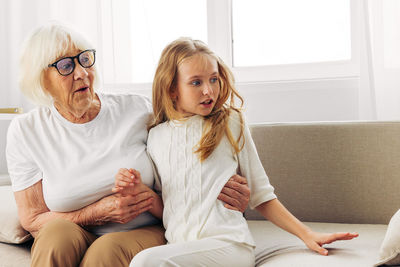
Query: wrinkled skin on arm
[(34, 213)]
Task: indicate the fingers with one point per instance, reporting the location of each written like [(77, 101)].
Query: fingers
[(143, 205), (317, 248), (343, 236), (137, 178), (137, 212), (236, 193), (126, 208), (228, 200), (138, 198), (239, 184), (140, 207), (239, 179), (233, 194), (124, 178), (117, 189)]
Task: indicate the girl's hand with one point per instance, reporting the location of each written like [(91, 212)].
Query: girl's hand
[(315, 240), (126, 181)]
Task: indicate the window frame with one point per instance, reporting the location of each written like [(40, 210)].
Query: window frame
[(219, 28)]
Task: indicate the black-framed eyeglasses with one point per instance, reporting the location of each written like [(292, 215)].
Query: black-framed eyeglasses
[(66, 65)]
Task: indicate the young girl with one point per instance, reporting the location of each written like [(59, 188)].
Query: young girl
[(197, 139)]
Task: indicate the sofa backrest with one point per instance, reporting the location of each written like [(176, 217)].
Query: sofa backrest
[(345, 172)]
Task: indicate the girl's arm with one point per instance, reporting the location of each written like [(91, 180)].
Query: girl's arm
[(34, 213), (275, 212)]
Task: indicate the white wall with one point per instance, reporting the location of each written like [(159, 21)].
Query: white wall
[(324, 100)]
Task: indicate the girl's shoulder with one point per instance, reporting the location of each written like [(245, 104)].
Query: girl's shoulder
[(236, 122), (159, 130)]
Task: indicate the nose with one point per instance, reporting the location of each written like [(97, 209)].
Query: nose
[(79, 71), (207, 90)]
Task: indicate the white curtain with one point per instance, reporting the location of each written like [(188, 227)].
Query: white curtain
[(19, 17), (380, 60)]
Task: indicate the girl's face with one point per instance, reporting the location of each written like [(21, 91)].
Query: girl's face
[(198, 87)]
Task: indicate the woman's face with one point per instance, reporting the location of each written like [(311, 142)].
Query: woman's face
[(73, 93)]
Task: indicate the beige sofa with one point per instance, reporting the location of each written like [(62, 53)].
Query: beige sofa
[(334, 176)]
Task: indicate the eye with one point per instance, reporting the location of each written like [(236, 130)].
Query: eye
[(195, 82), (84, 59), (65, 64), (214, 80)]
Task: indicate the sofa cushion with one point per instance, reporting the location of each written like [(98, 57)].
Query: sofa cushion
[(11, 230), (276, 247), (12, 255), (4, 179), (390, 249)]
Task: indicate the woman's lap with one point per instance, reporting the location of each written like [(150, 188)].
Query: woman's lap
[(118, 249), (60, 241), (63, 243)]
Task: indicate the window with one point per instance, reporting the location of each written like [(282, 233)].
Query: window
[(290, 32), (141, 29)]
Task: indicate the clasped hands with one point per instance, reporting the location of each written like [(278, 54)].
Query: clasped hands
[(132, 197)]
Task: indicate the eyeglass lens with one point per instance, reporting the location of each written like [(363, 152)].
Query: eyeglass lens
[(67, 65)]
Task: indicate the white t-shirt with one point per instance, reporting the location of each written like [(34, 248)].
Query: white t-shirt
[(190, 188), (77, 163)]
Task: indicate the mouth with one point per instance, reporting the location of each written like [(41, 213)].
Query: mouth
[(82, 89), (207, 102)]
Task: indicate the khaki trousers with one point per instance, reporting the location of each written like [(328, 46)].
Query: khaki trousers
[(61, 243)]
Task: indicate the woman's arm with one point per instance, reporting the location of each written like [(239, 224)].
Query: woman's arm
[(34, 214), (275, 212), (236, 193)]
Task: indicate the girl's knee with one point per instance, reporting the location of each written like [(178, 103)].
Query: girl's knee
[(144, 258)]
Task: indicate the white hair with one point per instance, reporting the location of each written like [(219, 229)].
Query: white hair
[(42, 47)]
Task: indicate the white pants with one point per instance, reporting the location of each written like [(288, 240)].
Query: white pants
[(205, 252)]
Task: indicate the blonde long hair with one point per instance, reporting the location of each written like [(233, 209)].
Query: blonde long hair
[(217, 122)]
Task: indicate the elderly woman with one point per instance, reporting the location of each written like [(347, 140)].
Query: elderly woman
[(62, 158)]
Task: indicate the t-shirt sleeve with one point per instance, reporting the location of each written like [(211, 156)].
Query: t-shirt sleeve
[(22, 169), (251, 168)]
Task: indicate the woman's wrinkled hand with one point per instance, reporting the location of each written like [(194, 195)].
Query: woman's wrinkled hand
[(122, 208), (236, 193)]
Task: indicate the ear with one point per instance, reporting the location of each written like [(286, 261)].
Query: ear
[(44, 80), (173, 93)]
